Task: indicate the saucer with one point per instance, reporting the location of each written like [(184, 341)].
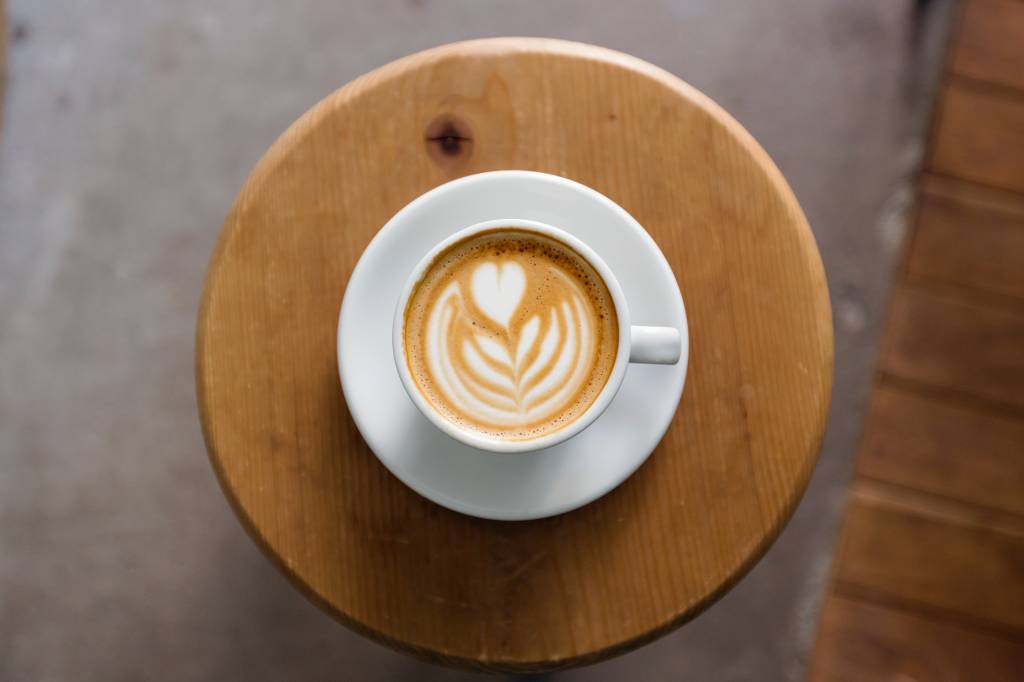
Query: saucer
[(476, 482)]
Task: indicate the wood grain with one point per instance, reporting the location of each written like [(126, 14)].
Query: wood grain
[(958, 342), (930, 557), (587, 584), (980, 137), (990, 46), (944, 448), (966, 241), (862, 641), (928, 580)]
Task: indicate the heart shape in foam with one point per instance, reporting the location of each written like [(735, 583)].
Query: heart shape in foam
[(498, 290)]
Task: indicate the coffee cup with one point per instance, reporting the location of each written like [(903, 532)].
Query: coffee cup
[(513, 336)]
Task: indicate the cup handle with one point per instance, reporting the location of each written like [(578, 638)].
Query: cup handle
[(655, 345)]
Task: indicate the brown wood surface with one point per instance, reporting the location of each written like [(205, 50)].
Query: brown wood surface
[(928, 580), (964, 240), (933, 557), (957, 341), (861, 641), (980, 136), (587, 584), (991, 43), (944, 448)]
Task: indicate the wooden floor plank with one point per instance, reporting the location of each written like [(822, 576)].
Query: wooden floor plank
[(944, 449), (921, 561), (969, 192), (991, 46), (980, 137), (928, 581), (860, 641), (969, 243), (955, 342)]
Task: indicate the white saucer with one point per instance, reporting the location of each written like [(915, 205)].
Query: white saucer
[(485, 484)]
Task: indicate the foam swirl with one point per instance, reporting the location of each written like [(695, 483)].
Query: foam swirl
[(513, 334)]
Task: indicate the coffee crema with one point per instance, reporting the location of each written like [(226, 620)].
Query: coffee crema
[(510, 333)]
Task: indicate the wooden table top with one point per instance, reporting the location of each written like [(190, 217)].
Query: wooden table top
[(562, 591)]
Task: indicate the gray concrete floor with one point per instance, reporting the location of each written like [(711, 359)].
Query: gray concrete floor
[(130, 125)]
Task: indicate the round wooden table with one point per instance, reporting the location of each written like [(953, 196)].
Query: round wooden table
[(562, 591)]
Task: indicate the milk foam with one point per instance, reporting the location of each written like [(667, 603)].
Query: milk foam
[(511, 333)]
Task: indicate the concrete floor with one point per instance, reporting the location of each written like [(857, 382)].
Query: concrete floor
[(130, 125)]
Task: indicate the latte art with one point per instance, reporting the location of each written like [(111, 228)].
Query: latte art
[(511, 333)]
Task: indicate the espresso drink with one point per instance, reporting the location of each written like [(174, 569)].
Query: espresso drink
[(510, 333)]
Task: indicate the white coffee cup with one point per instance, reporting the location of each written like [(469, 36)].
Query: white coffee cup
[(640, 344)]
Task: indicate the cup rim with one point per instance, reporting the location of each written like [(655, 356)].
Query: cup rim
[(472, 438)]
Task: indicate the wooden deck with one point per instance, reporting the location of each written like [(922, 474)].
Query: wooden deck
[(928, 577)]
